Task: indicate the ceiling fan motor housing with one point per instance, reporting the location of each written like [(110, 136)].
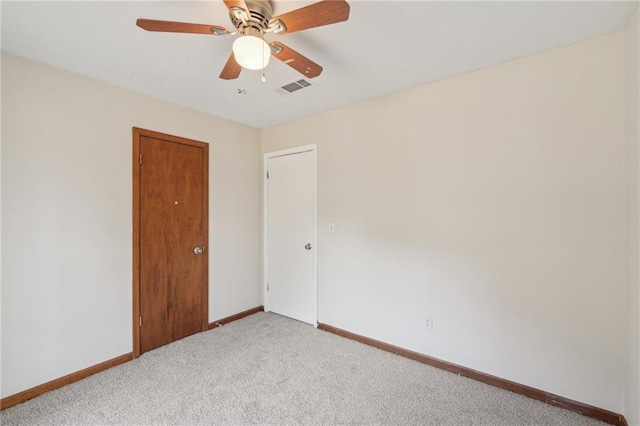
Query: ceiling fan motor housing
[(260, 13)]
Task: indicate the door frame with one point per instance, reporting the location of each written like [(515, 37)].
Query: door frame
[(265, 220), (138, 133)]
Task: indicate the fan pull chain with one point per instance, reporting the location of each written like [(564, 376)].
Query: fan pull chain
[(264, 79), (242, 90)]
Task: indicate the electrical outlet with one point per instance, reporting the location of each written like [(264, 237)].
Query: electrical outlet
[(429, 323)]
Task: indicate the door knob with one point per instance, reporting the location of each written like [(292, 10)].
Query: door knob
[(198, 250), (308, 246)]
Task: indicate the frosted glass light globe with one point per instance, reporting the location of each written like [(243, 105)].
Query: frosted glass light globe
[(251, 52)]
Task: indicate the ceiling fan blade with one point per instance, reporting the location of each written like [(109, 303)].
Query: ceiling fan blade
[(180, 27), (325, 12), (303, 65), (236, 3), (231, 69)]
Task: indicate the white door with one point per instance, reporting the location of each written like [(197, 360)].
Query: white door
[(290, 236)]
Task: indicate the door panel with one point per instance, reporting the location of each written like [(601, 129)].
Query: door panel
[(291, 226), (173, 221)]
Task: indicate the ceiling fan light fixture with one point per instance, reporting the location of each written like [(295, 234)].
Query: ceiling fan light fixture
[(251, 52)]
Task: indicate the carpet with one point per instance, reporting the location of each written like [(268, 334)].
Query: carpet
[(268, 369)]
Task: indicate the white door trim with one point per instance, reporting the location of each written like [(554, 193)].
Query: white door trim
[(265, 211)]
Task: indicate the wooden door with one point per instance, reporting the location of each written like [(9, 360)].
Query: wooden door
[(290, 257), (170, 238)]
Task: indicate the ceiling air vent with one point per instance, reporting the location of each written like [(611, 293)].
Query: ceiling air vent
[(293, 87)]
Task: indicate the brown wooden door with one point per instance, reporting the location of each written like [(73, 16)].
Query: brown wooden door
[(173, 219)]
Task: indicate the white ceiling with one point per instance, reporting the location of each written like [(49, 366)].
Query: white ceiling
[(385, 47)]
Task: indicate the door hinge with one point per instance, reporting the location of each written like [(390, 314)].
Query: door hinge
[(140, 159), (140, 321), (267, 174), (267, 287)]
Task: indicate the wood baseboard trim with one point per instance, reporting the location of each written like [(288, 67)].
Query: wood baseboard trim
[(549, 398), (231, 318), (28, 394)]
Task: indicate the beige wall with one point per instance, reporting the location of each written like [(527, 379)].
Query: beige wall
[(632, 89), (493, 202), (66, 217)]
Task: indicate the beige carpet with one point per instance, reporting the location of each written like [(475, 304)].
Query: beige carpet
[(267, 369)]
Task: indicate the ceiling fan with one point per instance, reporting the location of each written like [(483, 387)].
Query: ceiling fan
[(252, 20)]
